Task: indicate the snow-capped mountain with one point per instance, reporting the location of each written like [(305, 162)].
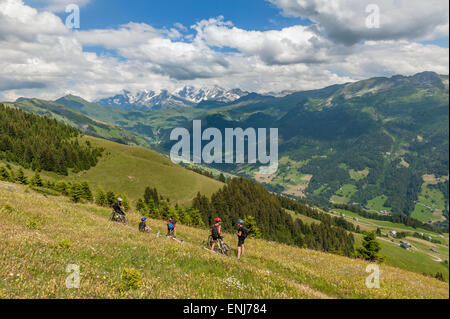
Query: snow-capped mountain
[(187, 96)]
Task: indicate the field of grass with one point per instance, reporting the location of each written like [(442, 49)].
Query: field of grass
[(41, 236), (358, 175), (372, 224), (419, 259), (377, 203), (303, 218), (344, 194), (412, 259), (127, 169), (429, 205)]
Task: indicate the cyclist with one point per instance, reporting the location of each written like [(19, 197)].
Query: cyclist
[(171, 227), (118, 207), (242, 234), (118, 213), (216, 232), (143, 228)]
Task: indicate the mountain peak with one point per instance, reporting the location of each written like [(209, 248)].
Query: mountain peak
[(186, 96)]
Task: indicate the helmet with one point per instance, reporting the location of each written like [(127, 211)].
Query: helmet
[(218, 220), (144, 219), (120, 199), (240, 221)]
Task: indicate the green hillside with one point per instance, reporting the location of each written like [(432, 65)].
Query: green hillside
[(41, 236), (85, 124), (150, 125), (130, 169)]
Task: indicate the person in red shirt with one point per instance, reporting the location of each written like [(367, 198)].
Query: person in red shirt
[(216, 232)]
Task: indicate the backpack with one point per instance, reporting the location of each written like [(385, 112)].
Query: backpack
[(170, 226), (244, 231), (215, 231)]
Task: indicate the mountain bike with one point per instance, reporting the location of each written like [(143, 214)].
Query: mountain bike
[(171, 233), (116, 217), (221, 246)]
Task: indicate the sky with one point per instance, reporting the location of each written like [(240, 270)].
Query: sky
[(255, 45)]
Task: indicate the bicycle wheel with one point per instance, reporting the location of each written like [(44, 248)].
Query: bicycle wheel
[(226, 250), (209, 242)]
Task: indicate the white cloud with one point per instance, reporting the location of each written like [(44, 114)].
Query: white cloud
[(297, 44), (344, 21), (395, 57), (40, 57)]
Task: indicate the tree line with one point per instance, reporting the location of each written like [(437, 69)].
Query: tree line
[(394, 218), (41, 143), (303, 209), (242, 198)]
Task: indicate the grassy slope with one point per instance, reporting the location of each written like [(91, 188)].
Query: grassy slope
[(34, 258), (420, 259), (414, 260), (130, 169)]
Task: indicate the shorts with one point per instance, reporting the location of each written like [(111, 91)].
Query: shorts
[(216, 238), (241, 242)]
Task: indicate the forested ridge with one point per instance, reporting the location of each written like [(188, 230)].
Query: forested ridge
[(41, 143)]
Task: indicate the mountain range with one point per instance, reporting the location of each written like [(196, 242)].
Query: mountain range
[(187, 96)]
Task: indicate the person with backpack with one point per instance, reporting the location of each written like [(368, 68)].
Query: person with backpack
[(143, 228), (171, 228), (118, 207), (216, 232), (242, 235)]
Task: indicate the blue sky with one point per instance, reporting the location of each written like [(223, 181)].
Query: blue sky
[(246, 14), (258, 45)]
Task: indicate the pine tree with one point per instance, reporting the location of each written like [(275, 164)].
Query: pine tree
[(36, 180), (62, 187), (148, 195), (370, 248), (4, 174), (196, 218), (110, 198), (20, 177), (76, 192), (253, 230), (165, 210), (100, 197), (151, 210), (87, 194), (140, 206)]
